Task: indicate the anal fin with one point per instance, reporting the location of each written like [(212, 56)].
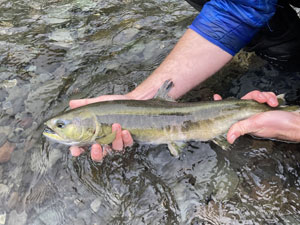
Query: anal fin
[(176, 148), (222, 142)]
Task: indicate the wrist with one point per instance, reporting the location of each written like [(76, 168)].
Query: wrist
[(292, 131)]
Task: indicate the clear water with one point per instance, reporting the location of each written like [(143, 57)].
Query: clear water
[(54, 51)]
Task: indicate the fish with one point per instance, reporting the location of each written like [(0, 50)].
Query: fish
[(156, 121)]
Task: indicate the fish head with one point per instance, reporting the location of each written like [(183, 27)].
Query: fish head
[(73, 128)]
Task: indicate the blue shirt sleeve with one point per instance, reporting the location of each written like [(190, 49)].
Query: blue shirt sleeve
[(231, 24)]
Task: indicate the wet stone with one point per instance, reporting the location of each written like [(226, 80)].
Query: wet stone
[(2, 218), (5, 130), (6, 105), (4, 189), (8, 83), (17, 219), (13, 199), (6, 151), (95, 205)]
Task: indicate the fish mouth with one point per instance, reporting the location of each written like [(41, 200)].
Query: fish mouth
[(52, 135), (48, 130)]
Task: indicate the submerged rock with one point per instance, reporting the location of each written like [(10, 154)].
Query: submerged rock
[(6, 151), (17, 219), (2, 218), (4, 189), (8, 83), (95, 205)]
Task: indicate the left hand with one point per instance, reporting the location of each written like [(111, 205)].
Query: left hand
[(272, 124)]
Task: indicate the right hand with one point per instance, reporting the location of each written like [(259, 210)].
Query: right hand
[(123, 137), (277, 124)]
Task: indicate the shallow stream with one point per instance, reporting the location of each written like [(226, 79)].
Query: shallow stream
[(54, 51)]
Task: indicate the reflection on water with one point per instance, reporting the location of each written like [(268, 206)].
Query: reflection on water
[(54, 51)]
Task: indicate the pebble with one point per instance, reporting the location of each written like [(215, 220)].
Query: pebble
[(17, 219), (3, 190), (8, 83), (13, 200), (5, 130), (6, 105), (2, 218), (95, 205), (6, 151)]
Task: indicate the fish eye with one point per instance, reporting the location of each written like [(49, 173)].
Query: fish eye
[(60, 124)]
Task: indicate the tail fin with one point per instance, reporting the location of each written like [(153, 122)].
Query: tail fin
[(281, 99)]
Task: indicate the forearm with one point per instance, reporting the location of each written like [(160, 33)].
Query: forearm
[(192, 61)]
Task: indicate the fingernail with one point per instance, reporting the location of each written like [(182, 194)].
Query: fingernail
[(273, 102)]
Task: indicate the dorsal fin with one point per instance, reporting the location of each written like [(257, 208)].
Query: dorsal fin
[(281, 99), (163, 91)]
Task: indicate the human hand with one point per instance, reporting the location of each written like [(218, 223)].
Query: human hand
[(123, 137), (272, 124)]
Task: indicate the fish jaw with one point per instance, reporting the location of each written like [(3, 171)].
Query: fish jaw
[(55, 137)]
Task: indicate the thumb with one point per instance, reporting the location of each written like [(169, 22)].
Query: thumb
[(239, 129)]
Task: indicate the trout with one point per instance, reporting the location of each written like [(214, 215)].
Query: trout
[(154, 121)]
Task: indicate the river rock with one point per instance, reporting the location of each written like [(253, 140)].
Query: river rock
[(6, 151), (13, 200), (17, 219), (2, 218), (3, 190), (95, 205)]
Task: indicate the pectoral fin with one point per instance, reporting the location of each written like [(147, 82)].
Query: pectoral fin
[(176, 148), (222, 142), (108, 139)]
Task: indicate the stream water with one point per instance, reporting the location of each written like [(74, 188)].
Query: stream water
[(54, 51)]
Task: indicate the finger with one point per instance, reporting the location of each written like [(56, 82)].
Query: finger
[(262, 97), (96, 153), (256, 95), (76, 151), (81, 102), (127, 138), (118, 142), (240, 128), (217, 97), (271, 99)]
